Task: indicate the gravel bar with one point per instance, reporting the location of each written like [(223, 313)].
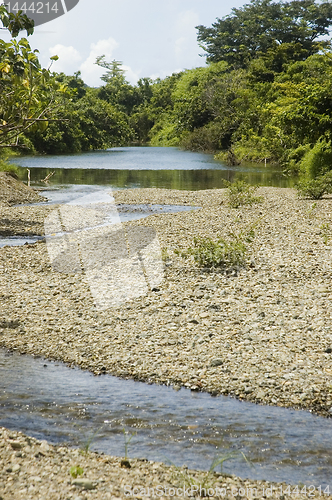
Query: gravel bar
[(262, 333)]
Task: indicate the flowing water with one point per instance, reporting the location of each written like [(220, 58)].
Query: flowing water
[(51, 401)]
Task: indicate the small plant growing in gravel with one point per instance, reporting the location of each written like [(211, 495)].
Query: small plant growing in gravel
[(241, 193), (88, 442), (207, 480), (325, 232), (127, 438), (222, 253), (75, 471), (315, 189)]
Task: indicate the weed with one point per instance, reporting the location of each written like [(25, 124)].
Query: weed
[(76, 471), (220, 253), (165, 255), (325, 232), (88, 442), (127, 440), (200, 484), (311, 209), (241, 193), (315, 188)]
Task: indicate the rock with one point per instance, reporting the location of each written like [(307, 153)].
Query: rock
[(260, 394), (16, 445), (85, 484), (216, 362), (125, 463), (204, 315)]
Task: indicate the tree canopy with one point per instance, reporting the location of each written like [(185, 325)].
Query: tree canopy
[(262, 25)]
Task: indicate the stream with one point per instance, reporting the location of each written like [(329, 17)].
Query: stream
[(49, 400)]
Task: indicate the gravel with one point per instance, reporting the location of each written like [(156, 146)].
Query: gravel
[(35, 470), (261, 333), (13, 191)]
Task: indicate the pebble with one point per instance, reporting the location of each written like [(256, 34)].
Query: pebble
[(273, 317), (48, 477)]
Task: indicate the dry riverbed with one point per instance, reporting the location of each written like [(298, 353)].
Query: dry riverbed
[(262, 334)]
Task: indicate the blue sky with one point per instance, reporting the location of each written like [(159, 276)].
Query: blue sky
[(152, 38)]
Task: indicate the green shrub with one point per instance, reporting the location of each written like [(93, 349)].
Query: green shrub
[(318, 160), (221, 253), (241, 193), (315, 189), (9, 167)]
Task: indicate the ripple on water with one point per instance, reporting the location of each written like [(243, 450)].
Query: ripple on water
[(51, 401)]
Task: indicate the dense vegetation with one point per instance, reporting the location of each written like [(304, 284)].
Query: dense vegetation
[(264, 95)]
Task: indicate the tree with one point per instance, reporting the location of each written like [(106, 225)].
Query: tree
[(15, 23), (262, 25), (27, 92)]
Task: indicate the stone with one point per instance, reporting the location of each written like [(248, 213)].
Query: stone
[(85, 484), (216, 362)]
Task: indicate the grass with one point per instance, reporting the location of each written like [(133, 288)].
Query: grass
[(9, 167), (200, 485), (85, 448), (127, 440)]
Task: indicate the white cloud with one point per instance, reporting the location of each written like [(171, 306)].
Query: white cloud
[(69, 58), (91, 73), (130, 75), (185, 47)]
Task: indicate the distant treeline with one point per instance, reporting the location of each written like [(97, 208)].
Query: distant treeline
[(265, 94)]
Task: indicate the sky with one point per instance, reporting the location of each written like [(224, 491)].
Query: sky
[(152, 38)]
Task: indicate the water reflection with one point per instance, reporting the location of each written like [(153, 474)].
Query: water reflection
[(168, 168)]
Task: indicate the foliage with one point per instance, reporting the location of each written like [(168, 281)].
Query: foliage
[(241, 193), (315, 189), (261, 25), (76, 471), (84, 124), (27, 92), (220, 253), (318, 160), (265, 95), (15, 23), (9, 167)]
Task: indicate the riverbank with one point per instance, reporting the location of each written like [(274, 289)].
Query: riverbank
[(31, 469), (14, 192), (263, 335)]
